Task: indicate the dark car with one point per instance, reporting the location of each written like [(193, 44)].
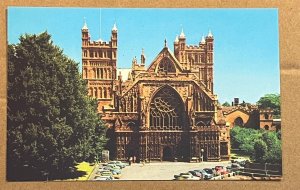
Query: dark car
[(229, 168)]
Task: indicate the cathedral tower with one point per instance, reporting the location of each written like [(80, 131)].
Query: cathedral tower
[(99, 59)]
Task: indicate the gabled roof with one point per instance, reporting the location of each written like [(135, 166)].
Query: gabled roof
[(165, 52), (231, 109)]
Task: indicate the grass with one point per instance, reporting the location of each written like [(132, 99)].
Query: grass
[(84, 167)]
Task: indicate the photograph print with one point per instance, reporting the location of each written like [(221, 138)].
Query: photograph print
[(143, 94)]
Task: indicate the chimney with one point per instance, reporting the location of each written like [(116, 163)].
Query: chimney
[(236, 101)]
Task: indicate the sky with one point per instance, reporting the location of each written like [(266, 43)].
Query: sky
[(246, 41)]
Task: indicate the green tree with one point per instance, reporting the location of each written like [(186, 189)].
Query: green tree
[(273, 154), (260, 149), (244, 138), (270, 101), (226, 104), (52, 124)]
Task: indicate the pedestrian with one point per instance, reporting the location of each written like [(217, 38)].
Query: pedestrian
[(130, 161)]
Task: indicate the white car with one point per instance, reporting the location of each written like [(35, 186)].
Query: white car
[(187, 176), (102, 178)]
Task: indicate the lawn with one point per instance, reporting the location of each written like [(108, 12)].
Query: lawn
[(84, 167)]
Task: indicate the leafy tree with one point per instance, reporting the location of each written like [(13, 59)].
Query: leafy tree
[(261, 145), (52, 124), (270, 101), (226, 104), (273, 154), (260, 149), (243, 138)]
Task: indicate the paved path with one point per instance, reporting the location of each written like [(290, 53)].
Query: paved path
[(163, 170)]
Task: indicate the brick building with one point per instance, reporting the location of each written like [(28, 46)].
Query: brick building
[(165, 111), (250, 116)]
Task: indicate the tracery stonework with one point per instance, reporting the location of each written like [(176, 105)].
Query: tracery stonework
[(166, 111)]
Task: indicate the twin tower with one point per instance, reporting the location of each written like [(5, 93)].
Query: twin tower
[(99, 64)]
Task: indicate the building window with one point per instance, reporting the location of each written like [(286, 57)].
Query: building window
[(105, 73), (94, 71), (104, 92), (196, 58), (166, 110), (266, 127), (166, 66), (100, 92), (108, 92), (182, 46), (101, 73), (91, 54), (266, 116), (96, 92), (109, 74)]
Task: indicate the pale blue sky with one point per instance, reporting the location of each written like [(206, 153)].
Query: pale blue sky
[(246, 40)]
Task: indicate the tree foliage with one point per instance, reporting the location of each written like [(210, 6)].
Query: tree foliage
[(270, 101), (243, 138), (51, 122), (226, 104), (260, 150), (262, 146)]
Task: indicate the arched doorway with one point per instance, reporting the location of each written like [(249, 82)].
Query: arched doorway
[(133, 138), (167, 154), (239, 122), (266, 127)]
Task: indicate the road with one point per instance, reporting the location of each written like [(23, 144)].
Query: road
[(163, 170)]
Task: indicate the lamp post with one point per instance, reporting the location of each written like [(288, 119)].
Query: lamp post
[(202, 150)]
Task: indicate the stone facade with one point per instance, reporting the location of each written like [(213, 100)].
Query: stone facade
[(166, 111), (250, 116)]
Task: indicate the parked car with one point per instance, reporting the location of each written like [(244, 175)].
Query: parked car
[(101, 170), (118, 171), (229, 168), (241, 161), (190, 176), (186, 176), (236, 166), (196, 174), (101, 178), (118, 163), (105, 173), (207, 173), (116, 175), (114, 166), (221, 170), (113, 169)]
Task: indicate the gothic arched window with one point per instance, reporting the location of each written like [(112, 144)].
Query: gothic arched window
[(166, 66), (166, 110), (100, 92), (104, 92), (96, 92)]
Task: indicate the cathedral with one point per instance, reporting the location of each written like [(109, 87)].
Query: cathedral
[(166, 111)]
